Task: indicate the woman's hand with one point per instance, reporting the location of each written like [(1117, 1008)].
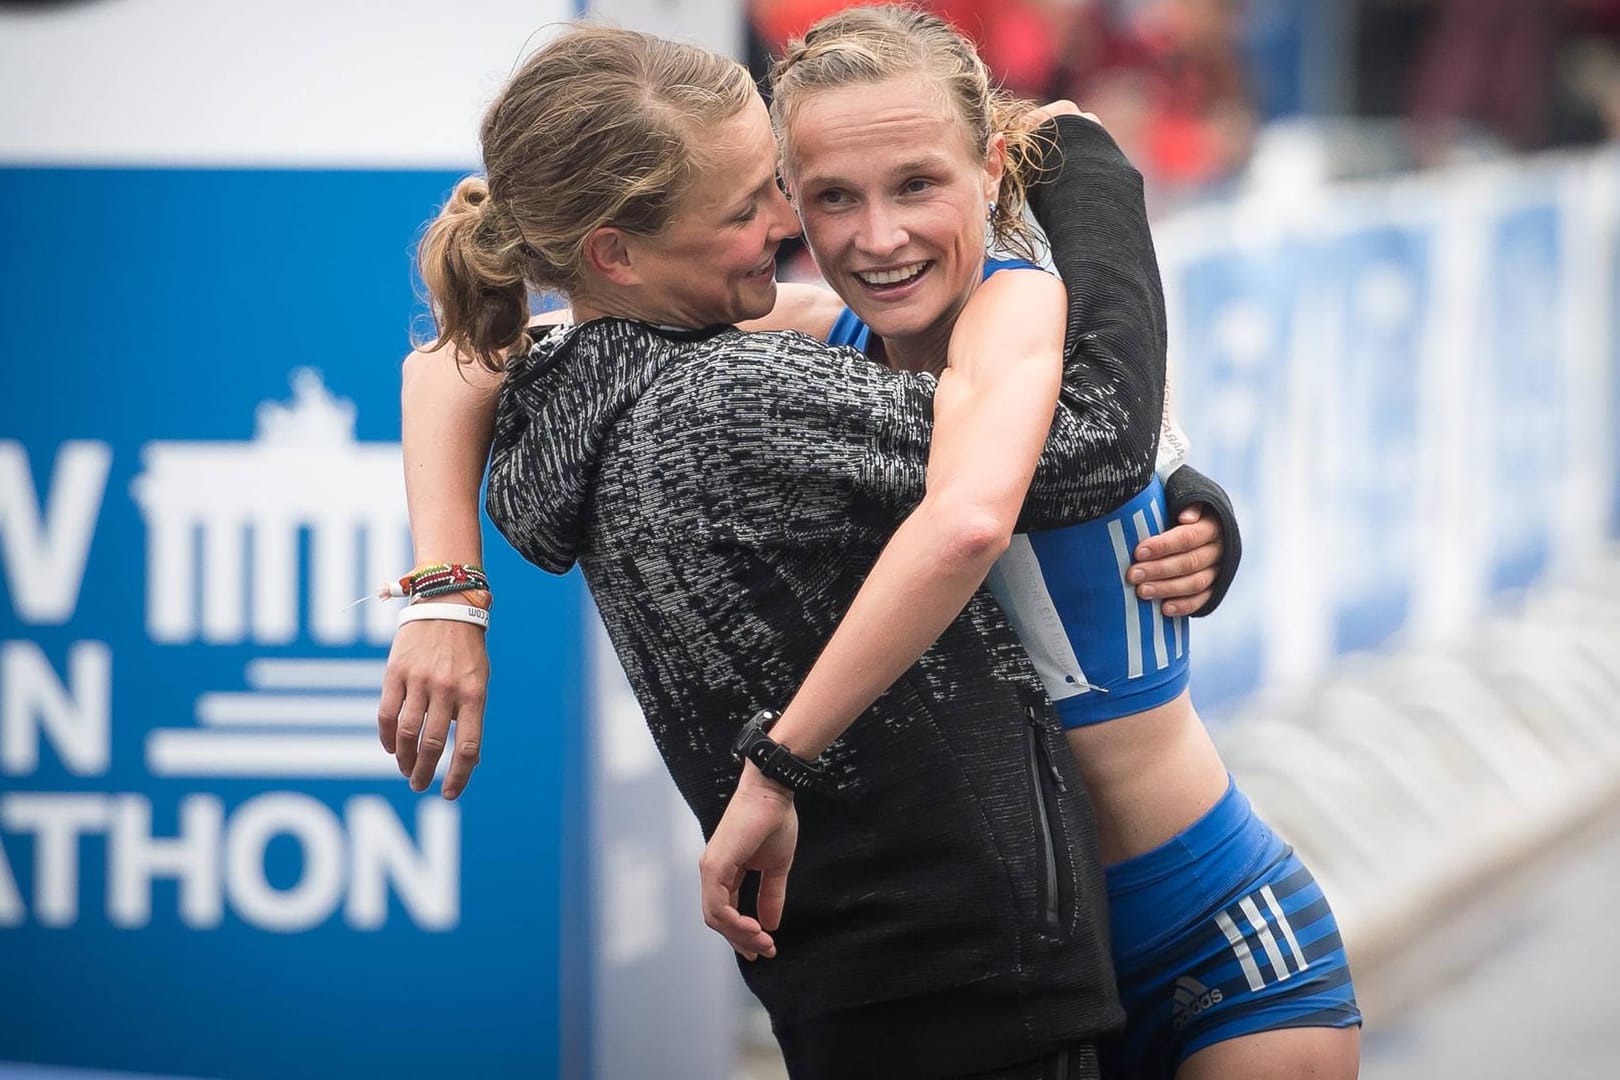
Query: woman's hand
[(1054, 109), (758, 831), (1178, 566), (437, 674)]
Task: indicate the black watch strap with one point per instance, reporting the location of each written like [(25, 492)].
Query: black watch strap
[(775, 761)]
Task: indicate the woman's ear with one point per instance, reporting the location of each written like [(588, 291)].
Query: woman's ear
[(995, 164), (607, 252)]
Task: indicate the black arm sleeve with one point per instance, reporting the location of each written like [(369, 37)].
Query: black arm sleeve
[(1187, 487), (1105, 435)]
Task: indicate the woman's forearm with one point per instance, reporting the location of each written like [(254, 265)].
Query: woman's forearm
[(447, 418), (925, 576)]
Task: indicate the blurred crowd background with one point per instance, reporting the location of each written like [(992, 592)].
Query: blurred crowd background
[(1193, 89), (1390, 237)]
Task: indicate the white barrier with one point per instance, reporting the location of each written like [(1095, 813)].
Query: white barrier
[(1409, 781), (1410, 387)]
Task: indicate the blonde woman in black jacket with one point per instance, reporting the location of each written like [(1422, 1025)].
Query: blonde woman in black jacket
[(725, 493)]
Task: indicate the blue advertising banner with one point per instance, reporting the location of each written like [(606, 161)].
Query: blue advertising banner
[(1379, 281), (208, 865), (1231, 355), (1523, 343)]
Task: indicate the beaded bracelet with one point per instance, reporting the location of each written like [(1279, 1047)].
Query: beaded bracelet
[(442, 579)]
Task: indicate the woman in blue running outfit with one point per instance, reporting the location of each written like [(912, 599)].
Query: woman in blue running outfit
[(1228, 958)]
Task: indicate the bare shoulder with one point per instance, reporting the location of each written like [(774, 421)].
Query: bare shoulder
[(446, 369)]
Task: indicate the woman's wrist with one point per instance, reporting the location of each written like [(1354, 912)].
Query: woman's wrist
[(475, 597), (754, 782), (463, 583)]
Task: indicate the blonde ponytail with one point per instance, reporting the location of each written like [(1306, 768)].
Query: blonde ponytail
[(471, 260)]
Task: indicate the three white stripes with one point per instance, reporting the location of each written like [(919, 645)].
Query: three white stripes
[(1019, 583), (1133, 626), (1262, 930)]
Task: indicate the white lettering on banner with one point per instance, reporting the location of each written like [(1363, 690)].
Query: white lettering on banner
[(135, 857), (227, 524), (57, 821), (45, 553), (250, 502), (12, 912), (219, 860), (34, 702), (423, 874), (316, 894)]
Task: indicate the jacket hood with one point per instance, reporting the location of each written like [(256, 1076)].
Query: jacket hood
[(558, 407)]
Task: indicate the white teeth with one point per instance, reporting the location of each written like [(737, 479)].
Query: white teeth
[(889, 277)]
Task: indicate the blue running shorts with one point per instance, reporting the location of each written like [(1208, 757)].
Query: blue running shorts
[(1220, 932)]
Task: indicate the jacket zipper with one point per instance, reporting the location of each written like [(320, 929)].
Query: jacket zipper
[(1040, 760)]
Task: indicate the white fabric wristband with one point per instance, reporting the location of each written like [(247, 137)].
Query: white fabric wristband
[(455, 612)]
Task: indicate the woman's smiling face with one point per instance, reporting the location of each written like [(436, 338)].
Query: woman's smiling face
[(893, 195), (716, 260)]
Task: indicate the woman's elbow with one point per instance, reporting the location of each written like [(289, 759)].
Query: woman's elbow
[(974, 535)]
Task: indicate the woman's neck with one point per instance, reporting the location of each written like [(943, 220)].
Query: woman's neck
[(586, 308), (925, 352)]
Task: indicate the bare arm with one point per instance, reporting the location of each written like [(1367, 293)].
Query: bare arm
[(438, 670), (447, 418), (992, 412)]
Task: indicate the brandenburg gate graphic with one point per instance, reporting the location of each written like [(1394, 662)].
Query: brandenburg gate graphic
[(232, 528)]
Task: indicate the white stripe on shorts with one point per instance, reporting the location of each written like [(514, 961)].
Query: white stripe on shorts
[(1282, 923), (1240, 949), (1263, 931)]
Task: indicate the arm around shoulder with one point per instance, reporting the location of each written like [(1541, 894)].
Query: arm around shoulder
[(1105, 435)]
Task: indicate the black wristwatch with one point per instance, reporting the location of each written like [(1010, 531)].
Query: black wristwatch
[(774, 760)]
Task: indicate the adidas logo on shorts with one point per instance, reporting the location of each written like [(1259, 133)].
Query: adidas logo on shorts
[(1191, 998)]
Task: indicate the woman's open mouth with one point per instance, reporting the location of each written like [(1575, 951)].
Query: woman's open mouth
[(895, 281)]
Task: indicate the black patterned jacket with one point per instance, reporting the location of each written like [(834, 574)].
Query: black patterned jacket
[(725, 494)]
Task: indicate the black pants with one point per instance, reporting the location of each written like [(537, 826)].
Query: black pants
[(1076, 1062)]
